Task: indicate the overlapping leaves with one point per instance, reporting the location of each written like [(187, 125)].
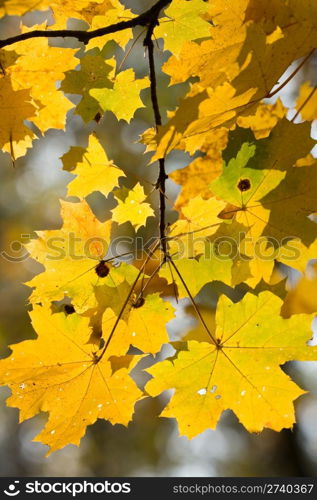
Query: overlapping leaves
[(247, 203)]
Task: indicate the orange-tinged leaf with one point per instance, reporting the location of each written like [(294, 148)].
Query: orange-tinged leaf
[(241, 372), (58, 373), (70, 256)]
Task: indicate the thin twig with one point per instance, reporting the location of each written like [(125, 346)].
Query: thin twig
[(161, 181), (143, 19), (291, 76)]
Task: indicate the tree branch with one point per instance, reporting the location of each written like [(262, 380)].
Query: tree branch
[(144, 19), (161, 181)]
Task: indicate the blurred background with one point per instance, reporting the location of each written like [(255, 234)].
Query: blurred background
[(150, 446)]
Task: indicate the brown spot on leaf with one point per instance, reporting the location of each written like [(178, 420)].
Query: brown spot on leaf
[(244, 185), (102, 270)]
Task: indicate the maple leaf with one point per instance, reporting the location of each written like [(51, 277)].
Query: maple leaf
[(124, 98), (199, 219), (197, 273), (259, 183), (15, 107), (70, 256), (58, 373), (183, 22), (264, 120), (195, 179), (132, 207), (250, 68), (94, 73), (302, 297), (258, 186), (38, 69), (306, 103), (72, 157), (94, 173), (147, 323), (110, 12), (65, 9), (238, 371), (19, 8), (197, 115), (220, 51), (61, 9)]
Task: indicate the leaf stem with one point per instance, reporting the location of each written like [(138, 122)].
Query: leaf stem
[(203, 322), (125, 303)]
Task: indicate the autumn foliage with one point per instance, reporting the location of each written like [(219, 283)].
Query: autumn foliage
[(246, 209)]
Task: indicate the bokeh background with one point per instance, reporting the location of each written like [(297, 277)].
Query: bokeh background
[(150, 446)]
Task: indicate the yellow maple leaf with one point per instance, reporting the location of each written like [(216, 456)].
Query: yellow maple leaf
[(255, 56), (59, 373), (15, 107), (197, 115), (200, 219), (264, 120), (184, 21), (65, 9), (261, 181), (220, 52), (21, 7), (62, 9), (302, 298), (240, 370), (306, 103), (195, 179), (124, 99), (93, 73), (70, 256), (106, 14), (197, 273), (147, 323), (94, 173), (132, 208), (38, 68)]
